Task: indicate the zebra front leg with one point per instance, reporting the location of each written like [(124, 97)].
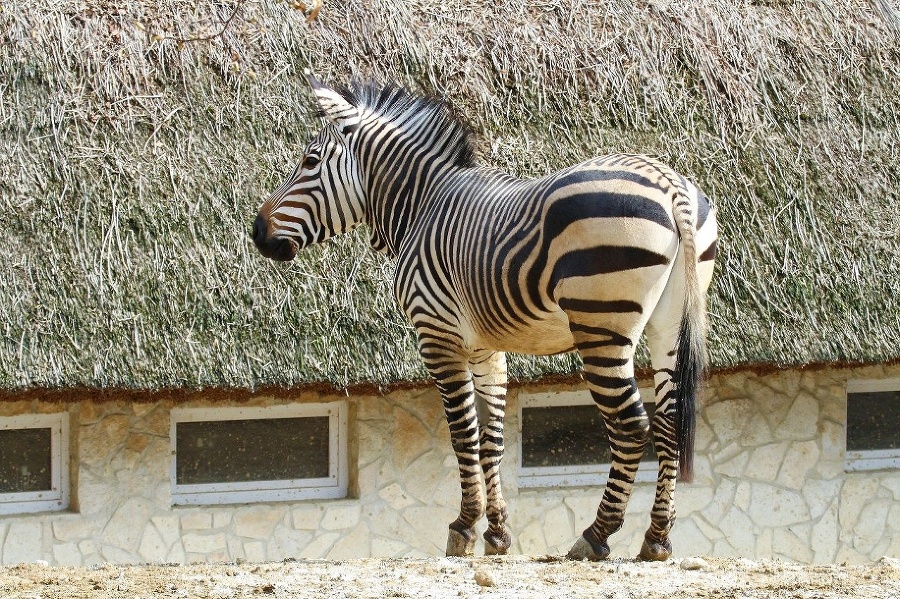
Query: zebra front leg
[(454, 381), (489, 377)]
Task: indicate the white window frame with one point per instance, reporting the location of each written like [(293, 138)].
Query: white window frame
[(585, 475), (870, 459), (333, 486), (57, 497)]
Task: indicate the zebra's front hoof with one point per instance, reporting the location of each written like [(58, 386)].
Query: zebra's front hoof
[(585, 550), (461, 543), (497, 543), (655, 552)]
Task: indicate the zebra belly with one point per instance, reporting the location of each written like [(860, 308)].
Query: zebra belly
[(547, 336)]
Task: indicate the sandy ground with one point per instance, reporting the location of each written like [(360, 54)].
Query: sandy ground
[(543, 577)]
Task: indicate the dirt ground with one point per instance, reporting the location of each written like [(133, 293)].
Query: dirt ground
[(507, 577)]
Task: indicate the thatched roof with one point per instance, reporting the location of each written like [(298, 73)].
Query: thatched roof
[(133, 163)]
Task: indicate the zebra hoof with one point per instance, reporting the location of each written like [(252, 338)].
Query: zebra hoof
[(586, 550), (655, 552), (461, 543), (497, 543)]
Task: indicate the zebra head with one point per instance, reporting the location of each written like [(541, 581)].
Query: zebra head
[(323, 196)]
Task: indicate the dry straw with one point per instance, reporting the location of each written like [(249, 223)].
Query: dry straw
[(136, 143)]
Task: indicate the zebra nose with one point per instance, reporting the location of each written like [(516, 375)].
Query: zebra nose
[(260, 229)]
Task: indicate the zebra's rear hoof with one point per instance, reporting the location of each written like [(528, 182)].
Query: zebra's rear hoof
[(497, 543), (655, 552), (585, 550), (461, 543)]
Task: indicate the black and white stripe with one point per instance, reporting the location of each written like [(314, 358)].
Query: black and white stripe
[(585, 259)]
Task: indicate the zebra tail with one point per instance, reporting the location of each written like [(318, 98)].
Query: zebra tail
[(690, 356)]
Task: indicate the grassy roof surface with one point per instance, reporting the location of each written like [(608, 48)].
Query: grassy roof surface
[(137, 143)]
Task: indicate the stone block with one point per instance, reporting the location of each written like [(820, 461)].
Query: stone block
[(728, 419), (255, 551), (742, 496), (772, 506), (531, 539), (739, 530), (891, 482), (126, 526), (286, 542), (72, 527), (757, 432), (692, 498), (168, 528), (66, 554), (307, 517), (734, 466), (824, 537), (820, 495), (153, 548), (101, 442), (341, 517), (196, 519), (257, 522), (558, 527), (221, 519), (320, 545), (871, 524), (23, 543), (792, 544), (802, 420), (411, 439), (688, 539), (799, 462), (388, 548), (722, 500), (857, 491), (429, 527), (353, 545), (765, 462), (396, 497), (204, 544)]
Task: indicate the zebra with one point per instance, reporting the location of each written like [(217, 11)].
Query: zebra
[(585, 259)]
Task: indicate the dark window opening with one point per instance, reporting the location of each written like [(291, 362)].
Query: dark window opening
[(25, 460), (569, 436), (228, 451), (873, 421)]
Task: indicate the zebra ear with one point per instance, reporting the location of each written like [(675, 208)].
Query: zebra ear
[(334, 107)]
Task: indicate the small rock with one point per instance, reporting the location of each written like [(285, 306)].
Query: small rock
[(484, 578), (694, 563), (42, 562)]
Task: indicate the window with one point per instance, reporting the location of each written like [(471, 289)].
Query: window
[(564, 441), (873, 424), (242, 455), (34, 463)]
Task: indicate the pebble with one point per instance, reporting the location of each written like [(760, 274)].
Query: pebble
[(484, 578), (694, 563), (41, 562)]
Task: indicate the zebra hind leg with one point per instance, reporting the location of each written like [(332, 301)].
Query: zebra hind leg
[(609, 373), (489, 377)]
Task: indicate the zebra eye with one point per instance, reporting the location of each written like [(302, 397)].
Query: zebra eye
[(310, 161)]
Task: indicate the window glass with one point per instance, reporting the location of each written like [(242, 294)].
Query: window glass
[(873, 420), (252, 450), (571, 435), (25, 460)]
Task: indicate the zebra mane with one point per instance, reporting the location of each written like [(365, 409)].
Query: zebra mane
[(394, 102)]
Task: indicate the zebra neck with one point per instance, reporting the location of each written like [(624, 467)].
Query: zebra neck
[(397, 198)]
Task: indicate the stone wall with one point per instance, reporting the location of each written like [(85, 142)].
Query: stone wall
[(770, 483)]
